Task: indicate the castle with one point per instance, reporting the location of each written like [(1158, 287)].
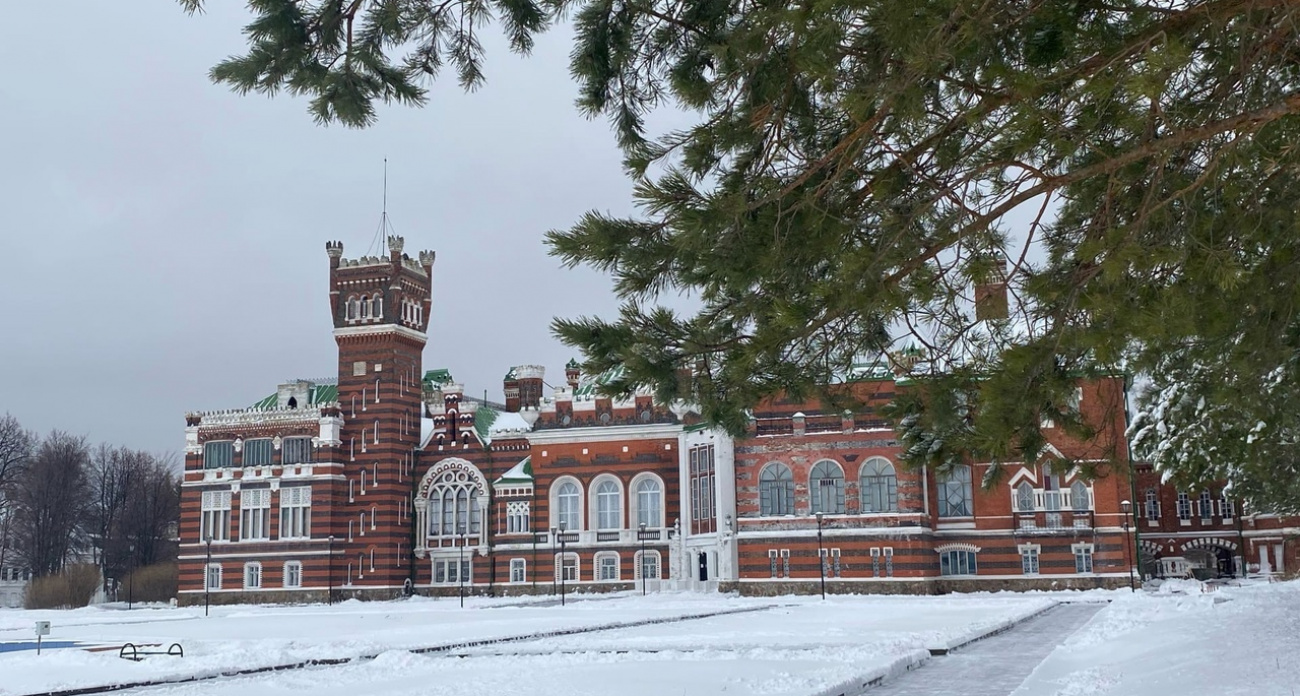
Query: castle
[(391, 480)]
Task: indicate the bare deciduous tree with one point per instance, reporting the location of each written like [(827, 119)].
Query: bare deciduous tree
[(15, 448), (50, 503)]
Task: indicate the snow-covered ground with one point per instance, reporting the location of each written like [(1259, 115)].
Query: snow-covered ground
[(795, 646), (1238, 640)]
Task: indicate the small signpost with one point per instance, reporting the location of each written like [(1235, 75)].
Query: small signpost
[(42, 629)]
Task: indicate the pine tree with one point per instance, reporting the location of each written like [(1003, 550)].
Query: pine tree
[(858, 164)]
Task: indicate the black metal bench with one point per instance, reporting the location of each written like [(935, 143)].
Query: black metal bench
[(131, 651)]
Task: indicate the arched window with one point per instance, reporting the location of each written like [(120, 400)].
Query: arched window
[(367, 307), (568, 506), (955, 493), (1079, 499), (776, 490), (649, 503), (879, 486), (1024, 497), (454, 505), (353, 308), (609, 510), (379, 306), (826, 487)]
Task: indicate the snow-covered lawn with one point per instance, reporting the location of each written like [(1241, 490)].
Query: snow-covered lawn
[(1238, 640), (798, 646)]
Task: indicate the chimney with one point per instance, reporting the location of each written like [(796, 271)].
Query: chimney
[(991, 290)]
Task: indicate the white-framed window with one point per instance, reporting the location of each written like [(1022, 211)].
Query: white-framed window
[(567, 563), (878, 486), (957, 562), (454, 505), (609, 504), (255, 514), (889, 561), (835, 562), (1080, 500), (607, 566), (785, 562), (826, 488), (776, 490), (518, 570), (517, 517), (649, 501), (1082, 558), (568, 505), (295, 512), (702, 477), (253, 576), (772, 557), (875, 562), (258, 452), (215, 523), (212, 572), (647, 565), (1226, 510), (955, 493), (218, 455), (1184, 506), (293, 574), (1029, 558), (452, 570), (1025, 497), (1207, 506), (1152, 505), (296, 450)]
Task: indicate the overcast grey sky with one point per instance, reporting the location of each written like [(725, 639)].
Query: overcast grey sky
[(163, 239)]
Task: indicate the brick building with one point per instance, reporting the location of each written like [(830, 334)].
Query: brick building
[(389, 478)]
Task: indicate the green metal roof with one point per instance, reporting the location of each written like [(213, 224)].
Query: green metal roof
[(483, 419), (588, 386), (519, 473), (437, 378), (317, 394), (573, 363)]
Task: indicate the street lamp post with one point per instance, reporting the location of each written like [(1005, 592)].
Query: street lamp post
[(562, 547), (130, 577), (821, 564), (641, 534), (460, 569), (207, 576), (1126, 506), (329, 572)]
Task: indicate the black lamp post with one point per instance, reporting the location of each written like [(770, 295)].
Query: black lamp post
[(821, 564), (1126, 506), (207, 577), (329, 572), (460, 569), (130, 578), (562, 547), (641, 534)]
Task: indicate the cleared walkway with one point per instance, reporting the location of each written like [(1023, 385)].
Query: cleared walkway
[(994, 666)]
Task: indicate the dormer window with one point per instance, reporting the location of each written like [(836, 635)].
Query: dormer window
[(293, 402)]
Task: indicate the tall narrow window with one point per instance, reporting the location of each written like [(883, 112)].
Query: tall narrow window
[(293, 574), (1080, 501), (1152, 505), (517, 517), (1184, 506), (295, 512), (216, 516), (1024, 497), (213, 573), (1082, 558), (955, 493), (568, 501), (647, 565), (518, 570), (1029, 560), (255, 514), (826, 487), (1207, 506), (649, 503), (608, 510), (879, 486), (253, 576), (776, 490)]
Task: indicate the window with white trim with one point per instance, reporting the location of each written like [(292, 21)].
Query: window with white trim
[(1225, 507), (215, 522), (826, 488), (955, 493), (452, 570), (1029, 559), (568, 506), (218, 455), (296, 450), (889, 561), (1152, 505), (1184, 506), (295, 512), (1082, 558), (647, 565), (255, 514), (453, 507), (1080, 500), (212, 572), (1025, 497), (517, 517), (957, 562), (609, 507), (835, 562), (772, 560), (567, 563), (878, 486), (875, 562), (518, 570), (649, 502), (776, 490), (253, 576), (258, 452), (607, 566), (293, 574), (785, 562), (1207, 506)]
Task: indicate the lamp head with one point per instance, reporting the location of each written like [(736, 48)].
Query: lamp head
[(1125, 506)]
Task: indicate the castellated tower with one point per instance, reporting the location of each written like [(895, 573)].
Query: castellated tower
[(380, 306)]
